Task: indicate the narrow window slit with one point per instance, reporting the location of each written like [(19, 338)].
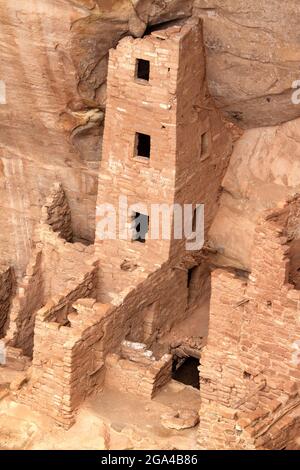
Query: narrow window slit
[(143, 69), (143, 145)]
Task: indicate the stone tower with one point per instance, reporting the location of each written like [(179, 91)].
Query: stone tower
[(158, 148)]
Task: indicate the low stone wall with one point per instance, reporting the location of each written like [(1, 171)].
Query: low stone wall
[(62, 263), (150, 309), (63, 360), (6, 290), (135, 370)]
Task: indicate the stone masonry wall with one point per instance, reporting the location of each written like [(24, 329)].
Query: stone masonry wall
[(62, 353), (137, 106), (222, 383), (136, 370), (72, 340), (148, 289), (271, 424), (203, 141), (250, 369), (163, 294), (62, 262), (55, 266), (28, 299)]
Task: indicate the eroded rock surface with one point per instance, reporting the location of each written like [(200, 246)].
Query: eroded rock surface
[(253, 57), (264, 171)]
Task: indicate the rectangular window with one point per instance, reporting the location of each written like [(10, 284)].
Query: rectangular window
[(143, 145), (143, 69), (140, 227)]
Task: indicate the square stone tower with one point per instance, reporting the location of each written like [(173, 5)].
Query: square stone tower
[(157, 149)]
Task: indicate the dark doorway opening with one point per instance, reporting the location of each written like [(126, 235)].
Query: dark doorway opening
[(140, 227), (185, 370), (143, 69), (143, 145)]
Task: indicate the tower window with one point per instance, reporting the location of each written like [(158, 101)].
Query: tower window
[(140, 227), (143, 145), (143, 69)]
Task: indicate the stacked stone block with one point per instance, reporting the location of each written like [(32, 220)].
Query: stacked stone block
[(137, 371)]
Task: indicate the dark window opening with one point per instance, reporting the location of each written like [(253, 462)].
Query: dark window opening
[(140, 226), (189, 276), (143, 145), (185, 370), (143, 69)]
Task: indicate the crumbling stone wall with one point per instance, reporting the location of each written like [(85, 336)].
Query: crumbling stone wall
[(271, 424), (55, 265), (251, 361), (62, 357), (62, 262), (137, 371), (6, 291), (28, 299), (61, 364)]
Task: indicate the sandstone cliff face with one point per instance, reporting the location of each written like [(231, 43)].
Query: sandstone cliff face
[(253, 57), (35, 149), (54, 65), (264, 171)]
